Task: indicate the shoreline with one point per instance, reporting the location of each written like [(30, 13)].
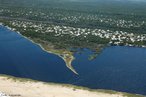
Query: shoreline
[(42, 48), (30, 88), (66, 55), (67, 62)]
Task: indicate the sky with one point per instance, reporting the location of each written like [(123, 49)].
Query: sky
[(110, 0)]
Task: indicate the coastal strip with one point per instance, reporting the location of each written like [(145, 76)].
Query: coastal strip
[(67, 56), (30, 88)]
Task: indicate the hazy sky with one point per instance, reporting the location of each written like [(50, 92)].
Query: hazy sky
[(132, 0), (109, 0)]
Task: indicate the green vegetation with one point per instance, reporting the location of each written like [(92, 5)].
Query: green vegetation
[(60, 26), (65, 54), (95, 54), (79, 14)]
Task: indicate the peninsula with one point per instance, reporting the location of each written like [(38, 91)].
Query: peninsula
[(75, 25)]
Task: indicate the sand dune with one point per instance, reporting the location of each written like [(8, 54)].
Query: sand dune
[(17, 88)]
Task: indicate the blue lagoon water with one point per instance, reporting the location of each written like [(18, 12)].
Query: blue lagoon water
[(116, 68), (21, 58)]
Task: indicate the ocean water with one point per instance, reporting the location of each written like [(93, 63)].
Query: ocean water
[(21, 58), (115, 68)]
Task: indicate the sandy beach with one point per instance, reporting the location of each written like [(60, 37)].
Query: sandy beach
[(39, 89), (18, 88)]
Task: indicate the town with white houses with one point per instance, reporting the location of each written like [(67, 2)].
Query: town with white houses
[(115, 37)]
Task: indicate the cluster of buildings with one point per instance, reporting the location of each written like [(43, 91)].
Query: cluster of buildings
[(73, 17), (115, 37)]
